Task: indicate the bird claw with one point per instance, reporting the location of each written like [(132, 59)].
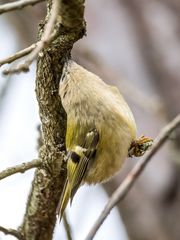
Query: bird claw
[(140, 146)]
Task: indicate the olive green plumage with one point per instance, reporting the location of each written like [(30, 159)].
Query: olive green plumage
[(100, 129)]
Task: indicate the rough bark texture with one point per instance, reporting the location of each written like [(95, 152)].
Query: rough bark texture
[(40, 217)]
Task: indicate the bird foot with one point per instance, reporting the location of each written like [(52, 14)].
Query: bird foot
[(140, 146)]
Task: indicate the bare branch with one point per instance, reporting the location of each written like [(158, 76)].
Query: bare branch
[(126, 185), (20, 168), (45, 40), (47, 186), (18, 55), (12, 232), (17, 5), (3, 91)]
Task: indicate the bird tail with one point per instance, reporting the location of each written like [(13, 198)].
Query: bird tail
[(64, 200)]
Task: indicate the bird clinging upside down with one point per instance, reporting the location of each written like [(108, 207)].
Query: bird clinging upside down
[(100, 130)]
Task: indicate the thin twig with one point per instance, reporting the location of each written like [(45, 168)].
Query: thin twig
[(47, 37), (17, 5), (21, 168), (18, 55), (3, 91), (12, 232), (67, 227), (126, 185)]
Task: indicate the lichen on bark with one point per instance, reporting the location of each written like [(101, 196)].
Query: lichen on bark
[(40, 217)]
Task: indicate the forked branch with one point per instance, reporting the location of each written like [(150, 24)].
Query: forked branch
[(47, 37)]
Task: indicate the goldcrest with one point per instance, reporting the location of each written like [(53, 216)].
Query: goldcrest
[(100, 129)]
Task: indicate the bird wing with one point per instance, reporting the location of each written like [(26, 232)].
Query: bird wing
[(78, 175), (86, 153), (77, 165)]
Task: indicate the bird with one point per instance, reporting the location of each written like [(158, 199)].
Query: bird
[(100, 130)]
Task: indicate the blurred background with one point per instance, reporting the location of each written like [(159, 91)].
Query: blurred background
[(135, 45)]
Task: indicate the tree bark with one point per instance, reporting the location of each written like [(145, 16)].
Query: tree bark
[(40, 216)]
